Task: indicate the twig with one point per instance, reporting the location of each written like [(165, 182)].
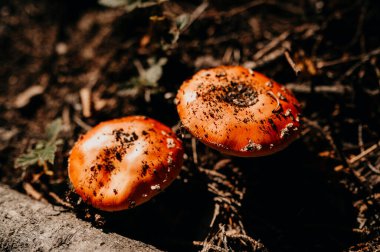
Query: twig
[(60, 201), (255, 244), (29, 189), (272, 44), (195, 15), (228, 195), (212, 172), (308, 29), (296, 69), (221, 164), (194, 148), (209, 246), (364, 153), (376, 69), (265, 59), (227, 55), (240, 9), (216, 213), (361, 146), (323, 64), (243, 8), (360, 23), (66, 119), (324, 132), (85, 97), (364, 59), (24, 98), (306, 88), (82, 124)]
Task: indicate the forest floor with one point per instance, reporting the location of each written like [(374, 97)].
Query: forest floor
[(322, 193)]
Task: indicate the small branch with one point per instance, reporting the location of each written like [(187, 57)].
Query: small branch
[(292, 63), (226, 226), (361, 57), (325, 132), (82, 124), (29, 189), (194, 149), (195, 15), (60, 201), (306, 88), (364, 153), (271, 45), (85, 97), (265, 59)]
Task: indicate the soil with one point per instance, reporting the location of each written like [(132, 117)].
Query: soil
[(319, 194)]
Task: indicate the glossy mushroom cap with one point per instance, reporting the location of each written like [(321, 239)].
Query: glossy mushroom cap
[(124, 162), (238, 111)]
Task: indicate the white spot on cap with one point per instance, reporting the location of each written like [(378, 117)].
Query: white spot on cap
[(189, 97), (285, 131), (100, 139), (280, 96), (288, 112), (155, 187), (170, 143), (170, 160), (251, 146)]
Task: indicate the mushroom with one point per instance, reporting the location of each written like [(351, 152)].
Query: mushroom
[(123, 163), (238, 111)]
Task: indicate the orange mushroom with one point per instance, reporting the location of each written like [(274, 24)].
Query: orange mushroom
[(124, 162), (238, 111)]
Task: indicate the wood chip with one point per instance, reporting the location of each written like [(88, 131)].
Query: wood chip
[(85, 97), (291, 62), (29, 189), (23, 99)]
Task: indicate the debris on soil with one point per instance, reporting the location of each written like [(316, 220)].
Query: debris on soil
[(86, 63)]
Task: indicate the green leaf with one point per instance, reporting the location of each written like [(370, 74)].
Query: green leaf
[(149, 77), (47, 154), (53, 129), (153, 74), (44, 150), (37, 156), (28, 159)]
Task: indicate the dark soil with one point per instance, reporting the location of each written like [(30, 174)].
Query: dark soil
[(317, 195)]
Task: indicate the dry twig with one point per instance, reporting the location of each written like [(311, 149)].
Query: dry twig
[(226, 226)]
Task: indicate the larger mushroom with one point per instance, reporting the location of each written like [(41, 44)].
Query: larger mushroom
[(124, 162), (238, 111)]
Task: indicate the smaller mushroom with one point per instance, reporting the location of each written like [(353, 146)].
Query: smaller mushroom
[(238, 111), (122, 163)]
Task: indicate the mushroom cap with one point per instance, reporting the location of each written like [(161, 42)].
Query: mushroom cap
[(238, 111), (123, 163)]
